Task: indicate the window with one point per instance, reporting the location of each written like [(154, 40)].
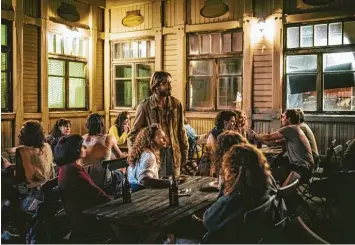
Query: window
[(215, 71), (320, 67), (6, 78), (131, 77), (67, 76)]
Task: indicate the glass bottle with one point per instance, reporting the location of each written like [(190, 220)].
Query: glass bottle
[(126, 191), (173, 192)]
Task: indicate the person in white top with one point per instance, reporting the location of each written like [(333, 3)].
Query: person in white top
[(99, 147), (144, 160)]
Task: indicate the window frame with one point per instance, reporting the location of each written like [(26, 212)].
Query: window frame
[(319, 51), (8, 49), (66, 82), (215, 57), (134, 62)]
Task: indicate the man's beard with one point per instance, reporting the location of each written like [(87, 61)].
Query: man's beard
[(164, 92)]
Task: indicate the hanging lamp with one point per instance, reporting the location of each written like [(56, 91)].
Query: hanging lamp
[(68, 12), (214, 8)]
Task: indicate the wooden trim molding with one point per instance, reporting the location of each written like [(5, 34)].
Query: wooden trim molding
[(213, 26), (8, 116), (7, 15), (318, 16), (133, 34)]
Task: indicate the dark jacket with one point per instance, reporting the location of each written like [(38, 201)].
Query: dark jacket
[(148, 113), (348, 160), (78, 191)]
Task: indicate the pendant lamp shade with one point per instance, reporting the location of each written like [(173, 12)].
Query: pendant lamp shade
[(68, 12), (214, 8), (317, 2), (133, 18)]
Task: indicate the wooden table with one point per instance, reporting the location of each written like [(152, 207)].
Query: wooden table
[(271, 152), (150, 209)]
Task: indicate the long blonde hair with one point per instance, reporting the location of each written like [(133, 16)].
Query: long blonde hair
[(144, 141)]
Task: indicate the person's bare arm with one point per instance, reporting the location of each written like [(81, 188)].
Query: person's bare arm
[(112, 143), (265, 137), (211, 143)]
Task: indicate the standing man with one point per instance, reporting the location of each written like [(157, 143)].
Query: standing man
[(164, 109)]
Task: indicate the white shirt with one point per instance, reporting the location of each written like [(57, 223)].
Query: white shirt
[(146, 166)]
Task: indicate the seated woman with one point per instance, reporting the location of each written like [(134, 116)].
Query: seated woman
[(144, 159), (241, 125), (225, 120), (34, 157), (225, 141), (77, 190), (61, 128), (121, 128), (99, 147), (248, 185)]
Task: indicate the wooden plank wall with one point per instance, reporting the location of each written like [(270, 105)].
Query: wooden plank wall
[(118, 13), (201, 125), (32, 8), (99, 81), (170, 59), (6, 5), (31, 93), (171, 13), (236, 9), (77, 125), (298, 6), (7, 134), (262, 126), (262, 77)]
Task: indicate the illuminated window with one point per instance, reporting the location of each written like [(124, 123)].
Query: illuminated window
[(6, 79)]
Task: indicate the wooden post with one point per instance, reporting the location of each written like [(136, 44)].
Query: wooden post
[(44, 65), (181, 64), (157, 24), (92, 57), (107, 69), (17, 60)]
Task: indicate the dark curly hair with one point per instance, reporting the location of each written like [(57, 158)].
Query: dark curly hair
[(245, 168), (59, 123), (95, 124), (222, 117), (68, 149), (32, 134), (293, 115), (121, 117), (224, 142), (143, 141)]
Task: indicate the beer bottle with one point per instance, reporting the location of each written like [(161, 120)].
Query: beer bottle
[(126, 191), (173, 192)]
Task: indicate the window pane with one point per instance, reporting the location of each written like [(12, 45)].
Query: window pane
[(68, 45), (193, 43), (301, 63), (4, 35), (337, 62), (201, 93), (335, 32), (216, 43), (349, 32), (306, 36), (124, 93), (76, 69), (75, 48), (201, 68), (134, 49), (237, 41), (58, 44), (320, 35), (152, 48), (50, 43), (117, 52), (205, 44), (230, 67), (3, 61), (4, 92), (124, 71), (83, 48), (339, 91), (76, 93), (226, 42), (144, 70), (293, 35), (301, 92), (56, 94), (143, 89), (126, 53), (230, 92), (143, 49), (56, 67)]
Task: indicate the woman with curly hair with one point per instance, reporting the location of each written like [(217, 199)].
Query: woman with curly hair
[(144, 158), (34, 157), (121, 128), (61, 128), (241, 124), (248, 184)]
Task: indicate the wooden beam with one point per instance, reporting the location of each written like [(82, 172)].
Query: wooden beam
[(319, 16), (32, 21), (107, 70), (181, 64), (213, 26), (44, 65), (133, 34), (7, 15), (92, 57)]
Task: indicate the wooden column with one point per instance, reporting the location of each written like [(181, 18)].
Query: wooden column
[(247, 68), (157, 24), (181, 64), (17, 60), (107, 69), (44, 65), (92, 57), (277, 65)]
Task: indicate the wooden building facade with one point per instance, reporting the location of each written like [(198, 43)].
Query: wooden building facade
[(55, 68)]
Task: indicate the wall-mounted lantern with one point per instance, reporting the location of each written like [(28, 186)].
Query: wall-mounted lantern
[(132, 19), (68, 12), (214, 8)]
